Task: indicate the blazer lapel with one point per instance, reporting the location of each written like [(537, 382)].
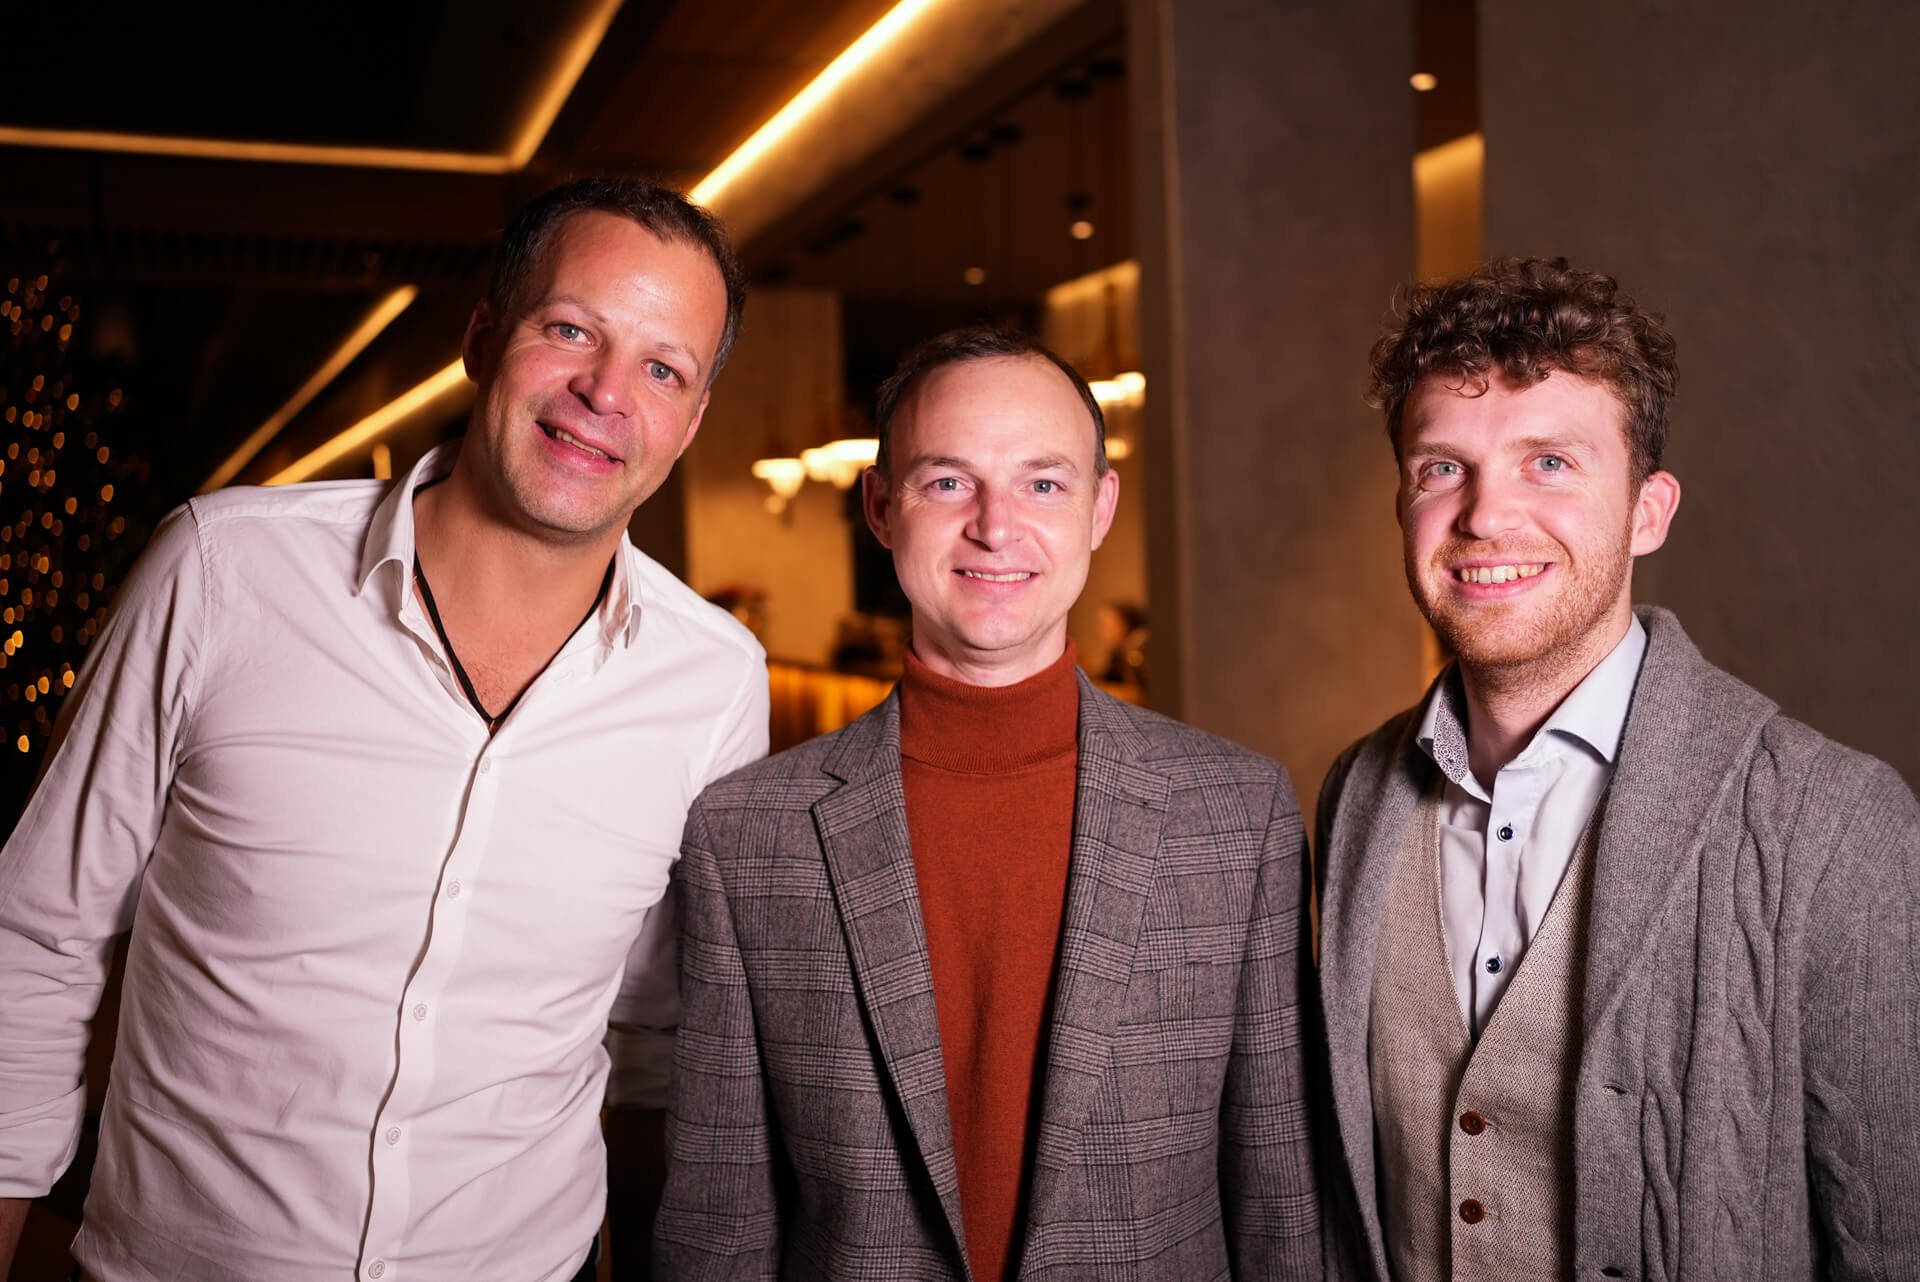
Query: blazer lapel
[(1376, 804), (1118, 809), (863, 834), (1689, 727)]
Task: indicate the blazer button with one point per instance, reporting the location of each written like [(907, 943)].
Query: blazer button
[(1472, 1123), (1472, 1212)]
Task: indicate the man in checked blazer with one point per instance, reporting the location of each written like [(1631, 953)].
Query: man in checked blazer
[(1004, 979)]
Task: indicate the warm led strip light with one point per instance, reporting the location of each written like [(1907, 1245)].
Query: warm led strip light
[(533, 130), (377, 320), (870, 45), (376, 424)]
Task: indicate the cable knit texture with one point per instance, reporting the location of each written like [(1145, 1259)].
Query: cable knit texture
[(989, 775), (1749, 1075)]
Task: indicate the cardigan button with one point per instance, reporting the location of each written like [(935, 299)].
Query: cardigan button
[(1472, 1212), (1472, 1123)]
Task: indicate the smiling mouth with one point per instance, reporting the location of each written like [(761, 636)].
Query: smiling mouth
[(565, 437), (1015, 576), (1498, 573)]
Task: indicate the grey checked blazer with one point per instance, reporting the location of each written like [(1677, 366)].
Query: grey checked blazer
[(808, 1135)]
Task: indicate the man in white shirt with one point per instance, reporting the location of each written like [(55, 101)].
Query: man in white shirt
[(1618, 964), (387, 783)]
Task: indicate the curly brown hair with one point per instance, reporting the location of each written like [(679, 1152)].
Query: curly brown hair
[(1527, 317)]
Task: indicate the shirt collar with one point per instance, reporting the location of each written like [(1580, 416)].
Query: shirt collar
[(390, 541), (1593, 714)]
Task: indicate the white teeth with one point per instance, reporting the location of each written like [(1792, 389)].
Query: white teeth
[(562, 434), (1016, 577), (1497, 573)]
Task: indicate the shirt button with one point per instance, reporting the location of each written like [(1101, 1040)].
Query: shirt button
[(1493, 965), (1472, 1212), (393, 1135), (1472, 1123), (453, 890), (1506, 832), (420, 1011), (486, 766), (378, 1269)]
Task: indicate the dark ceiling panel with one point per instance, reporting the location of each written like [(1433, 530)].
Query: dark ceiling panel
[(450, 76)]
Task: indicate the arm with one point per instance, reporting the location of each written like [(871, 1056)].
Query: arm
[(69, 874), (720, 1214), (1861, 1041), (1267, 1184), (1346, 1250)]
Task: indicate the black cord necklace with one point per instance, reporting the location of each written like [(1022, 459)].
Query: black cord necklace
[(460, 669)]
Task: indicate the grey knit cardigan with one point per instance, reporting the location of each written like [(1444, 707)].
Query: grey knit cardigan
[(1748, 1103)]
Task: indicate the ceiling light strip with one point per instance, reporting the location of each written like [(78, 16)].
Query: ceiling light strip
[(871, 44), (533, 130), (369, 329), (375, 425), (455, 162)]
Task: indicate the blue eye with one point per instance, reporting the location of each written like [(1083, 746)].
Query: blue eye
[(568, 332), (661, 372), (1046, 487), (1552, 463), (947, 484)]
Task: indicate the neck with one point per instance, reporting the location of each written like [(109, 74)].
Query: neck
[(1508, 703), (992, 669), (483, 568)]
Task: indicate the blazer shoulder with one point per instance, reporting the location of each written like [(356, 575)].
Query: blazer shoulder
[(1166, 743)]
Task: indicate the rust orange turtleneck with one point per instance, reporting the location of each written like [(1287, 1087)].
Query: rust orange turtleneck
[(989, 776)]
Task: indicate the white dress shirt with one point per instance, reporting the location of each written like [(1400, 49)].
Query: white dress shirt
[(374, 951), (1502, 854)]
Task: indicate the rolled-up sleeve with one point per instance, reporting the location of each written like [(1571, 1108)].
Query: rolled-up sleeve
[(70, 873)]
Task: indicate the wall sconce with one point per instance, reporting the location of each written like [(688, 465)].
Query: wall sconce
[(784, 476), (840, 463), (1125, 391), (837, 463)]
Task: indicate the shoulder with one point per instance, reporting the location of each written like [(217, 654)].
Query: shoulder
[(790, 780), (322, 504), (661, 591), (1368, 760)]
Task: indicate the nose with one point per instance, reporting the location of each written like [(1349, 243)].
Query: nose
[(1490, 506), (993, 522), (606, 384)]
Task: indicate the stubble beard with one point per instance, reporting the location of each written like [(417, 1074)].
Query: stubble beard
[(1509, 647)]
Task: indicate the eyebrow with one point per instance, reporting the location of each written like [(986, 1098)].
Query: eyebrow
[(1043, 463)]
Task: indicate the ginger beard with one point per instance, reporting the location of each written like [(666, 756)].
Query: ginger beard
[(1506, 636)]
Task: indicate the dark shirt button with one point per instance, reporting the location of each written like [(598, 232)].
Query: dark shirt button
[(1472, 1123), (1506, 832), (1472, 1212), (1493, 965)]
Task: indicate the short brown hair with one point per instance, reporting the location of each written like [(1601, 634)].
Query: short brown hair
[(661, 210), (974, 343), (1527, 317)]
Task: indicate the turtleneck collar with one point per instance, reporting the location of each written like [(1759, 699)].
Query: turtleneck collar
[(971, 729)]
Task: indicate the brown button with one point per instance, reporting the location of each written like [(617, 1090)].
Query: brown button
[(1472, 1212), (1472, 1123)]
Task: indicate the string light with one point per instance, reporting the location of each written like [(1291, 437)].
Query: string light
[(57, 515)]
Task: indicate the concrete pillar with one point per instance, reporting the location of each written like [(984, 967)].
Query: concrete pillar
[(1272, 167), (1752, 171)]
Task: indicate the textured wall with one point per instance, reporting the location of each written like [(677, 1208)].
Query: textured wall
[(1753, 171), (1272, 153)]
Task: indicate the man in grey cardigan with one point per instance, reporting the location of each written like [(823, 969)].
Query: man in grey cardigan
[(1620, 967)]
